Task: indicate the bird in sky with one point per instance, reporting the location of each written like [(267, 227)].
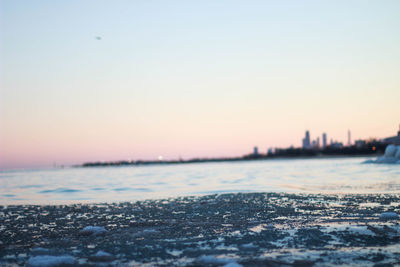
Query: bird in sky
[(98, 38)]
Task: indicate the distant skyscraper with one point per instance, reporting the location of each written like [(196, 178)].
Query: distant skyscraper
[(306, 140), (324, 140), (318, 144), (255, 153), (349, 138)]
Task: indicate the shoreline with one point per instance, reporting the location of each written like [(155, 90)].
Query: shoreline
[(191, 162), (227, 160), (248, 229), (64, 203)]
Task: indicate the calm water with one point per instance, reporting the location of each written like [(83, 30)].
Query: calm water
[(113, 184)]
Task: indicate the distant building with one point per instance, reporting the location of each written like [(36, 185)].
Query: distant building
[(324, 141), (255, 152), (336, 144), (348, 138), (314, 144), (360, 143), (306, 141), (395, 140)]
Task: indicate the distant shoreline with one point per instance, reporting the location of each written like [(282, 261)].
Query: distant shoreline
[(240, 159)]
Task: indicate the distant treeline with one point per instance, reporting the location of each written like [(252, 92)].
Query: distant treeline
[(152, 162), (367, 149)]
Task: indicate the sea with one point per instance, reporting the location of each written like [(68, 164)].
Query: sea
[(72, 185)]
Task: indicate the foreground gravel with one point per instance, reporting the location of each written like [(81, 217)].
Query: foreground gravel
[(254, 229)]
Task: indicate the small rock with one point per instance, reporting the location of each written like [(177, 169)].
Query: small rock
[(93, 230), (303, 263), (150, 231), (389, 216), (214, 260), (40, 251), (51, 261), (233, 264), (101, 256)]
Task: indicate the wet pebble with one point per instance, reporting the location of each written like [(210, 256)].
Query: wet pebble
[(389, 216), (50, 261), (39, 251), (215, 260), (233, 264), (101, 256), (93, 230)]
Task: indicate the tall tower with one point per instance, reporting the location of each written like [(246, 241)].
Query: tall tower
[(306, 140), (255, 151), (324, 140), (349, 138)]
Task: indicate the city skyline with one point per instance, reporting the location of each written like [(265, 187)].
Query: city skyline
[(308, 142), (84, 81)]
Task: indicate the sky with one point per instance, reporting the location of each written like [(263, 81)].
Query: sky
[(185, 79)]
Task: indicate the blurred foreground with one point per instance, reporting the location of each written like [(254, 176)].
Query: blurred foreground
[(255, 229)]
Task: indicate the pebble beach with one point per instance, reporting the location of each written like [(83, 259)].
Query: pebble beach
[(241, 229)]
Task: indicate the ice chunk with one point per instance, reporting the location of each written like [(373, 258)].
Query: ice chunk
[(214, 260), (389, 216), (397, 155), (249, 245), (101, 256), (390, 160), (390, 151), (101, 253), (50, 261), (391, 156), (233, 264), (150, 231), (40, 251), (380, 159), (93, 230)]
